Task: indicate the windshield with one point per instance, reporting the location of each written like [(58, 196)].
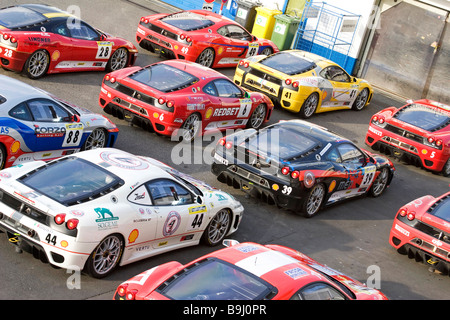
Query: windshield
[(214, 279), (290, 63), (14, 17), (164, 78), (187, 21), (423, 117), (282, 142), (442, 210), (71, 180)]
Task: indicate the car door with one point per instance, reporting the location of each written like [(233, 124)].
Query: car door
[(344, 92), (179, 214), (88, 49), (355, 173), (233, 107), (54, 127), (238, 42), (63, 53)]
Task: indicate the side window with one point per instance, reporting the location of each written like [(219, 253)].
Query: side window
[(334, 156), (140, 196), (21, 112), (210, 89), (47, 110), (236, 32), (223, 31), (61, 29), (318, 291), (80, 30), (350, 153), (227, 89), (335, 73), (165, 192)]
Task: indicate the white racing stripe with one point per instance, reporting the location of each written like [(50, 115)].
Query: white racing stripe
[(264, 262)]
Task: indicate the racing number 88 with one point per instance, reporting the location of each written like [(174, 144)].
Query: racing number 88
[(75, 139)]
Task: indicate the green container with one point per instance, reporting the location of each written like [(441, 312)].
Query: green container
[(264, 22), (284, 31)]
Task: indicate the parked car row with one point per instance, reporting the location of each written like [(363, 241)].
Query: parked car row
[(126, 207)]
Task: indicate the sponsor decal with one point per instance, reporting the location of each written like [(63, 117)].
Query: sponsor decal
[(123, 161), (133, 236), (401, 230), (172, 223), (105, 219), (295, 273)]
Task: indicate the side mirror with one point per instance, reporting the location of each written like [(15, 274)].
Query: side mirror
[(229, 242), (199, 200), (102, 37), (75, 118)]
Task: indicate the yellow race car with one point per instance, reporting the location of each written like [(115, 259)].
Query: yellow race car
[(303, 82)]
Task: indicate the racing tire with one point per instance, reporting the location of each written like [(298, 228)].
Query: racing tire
[(106, 256), (361, 100), (313, 201), (309, 107), (97, 139), (267, 51), (118, 60), (257, 117), (191, 127), (206, 58), (217, 228), (380, 183), (3, 156), (37, 64), (446, 169)]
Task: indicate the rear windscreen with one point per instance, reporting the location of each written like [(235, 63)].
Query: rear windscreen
[(187, 21), (442, 210), (15, 17), (290, 63), (423, 117), (164, 78)]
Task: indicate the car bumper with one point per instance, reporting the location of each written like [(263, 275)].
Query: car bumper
[(280, 94), (145, 116), (164, 46), (266, 188), (12, 59), (44, 243), (420, 246), (428, 157)]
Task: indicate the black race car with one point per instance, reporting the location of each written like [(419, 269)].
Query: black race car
[(299, 166)]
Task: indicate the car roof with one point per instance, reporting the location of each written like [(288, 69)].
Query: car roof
[(40, 14), (280, 270), (125, 165), (16, 91)]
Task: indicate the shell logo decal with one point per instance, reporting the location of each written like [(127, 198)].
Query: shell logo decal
[(133, 236)]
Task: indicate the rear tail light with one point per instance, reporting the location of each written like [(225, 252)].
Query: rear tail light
[(13, 40), (170, 104), (295, 174), (222, 141), (285, 170), (6, 36), (161, 100), (112, 80), (122, 290), (288, 81), (439, 143), (131, 295), (107, 77), (229, 145), (430, 139), (403, 212), (188, 39), (295, 84), (381, 120), (60, 218), (72, 224), (411, 216)]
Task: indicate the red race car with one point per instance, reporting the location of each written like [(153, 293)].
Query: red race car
[(421, 230), (182, 99), (200, 36), (39, 39), (418, 132), (246, 271)]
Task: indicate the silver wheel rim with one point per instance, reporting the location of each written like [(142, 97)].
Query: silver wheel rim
[(206, 58), (190, 127), (38, 64), (97, 139), (446, 168), (119, 59), (311, 105), (218, 226), (107, 255), (258, 116), (361, 99), (315, 199), (266, 51), (380, 182)]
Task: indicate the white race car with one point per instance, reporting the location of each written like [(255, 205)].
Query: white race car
[(101, 208)]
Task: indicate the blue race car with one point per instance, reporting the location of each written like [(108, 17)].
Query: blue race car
[(35, 125)]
